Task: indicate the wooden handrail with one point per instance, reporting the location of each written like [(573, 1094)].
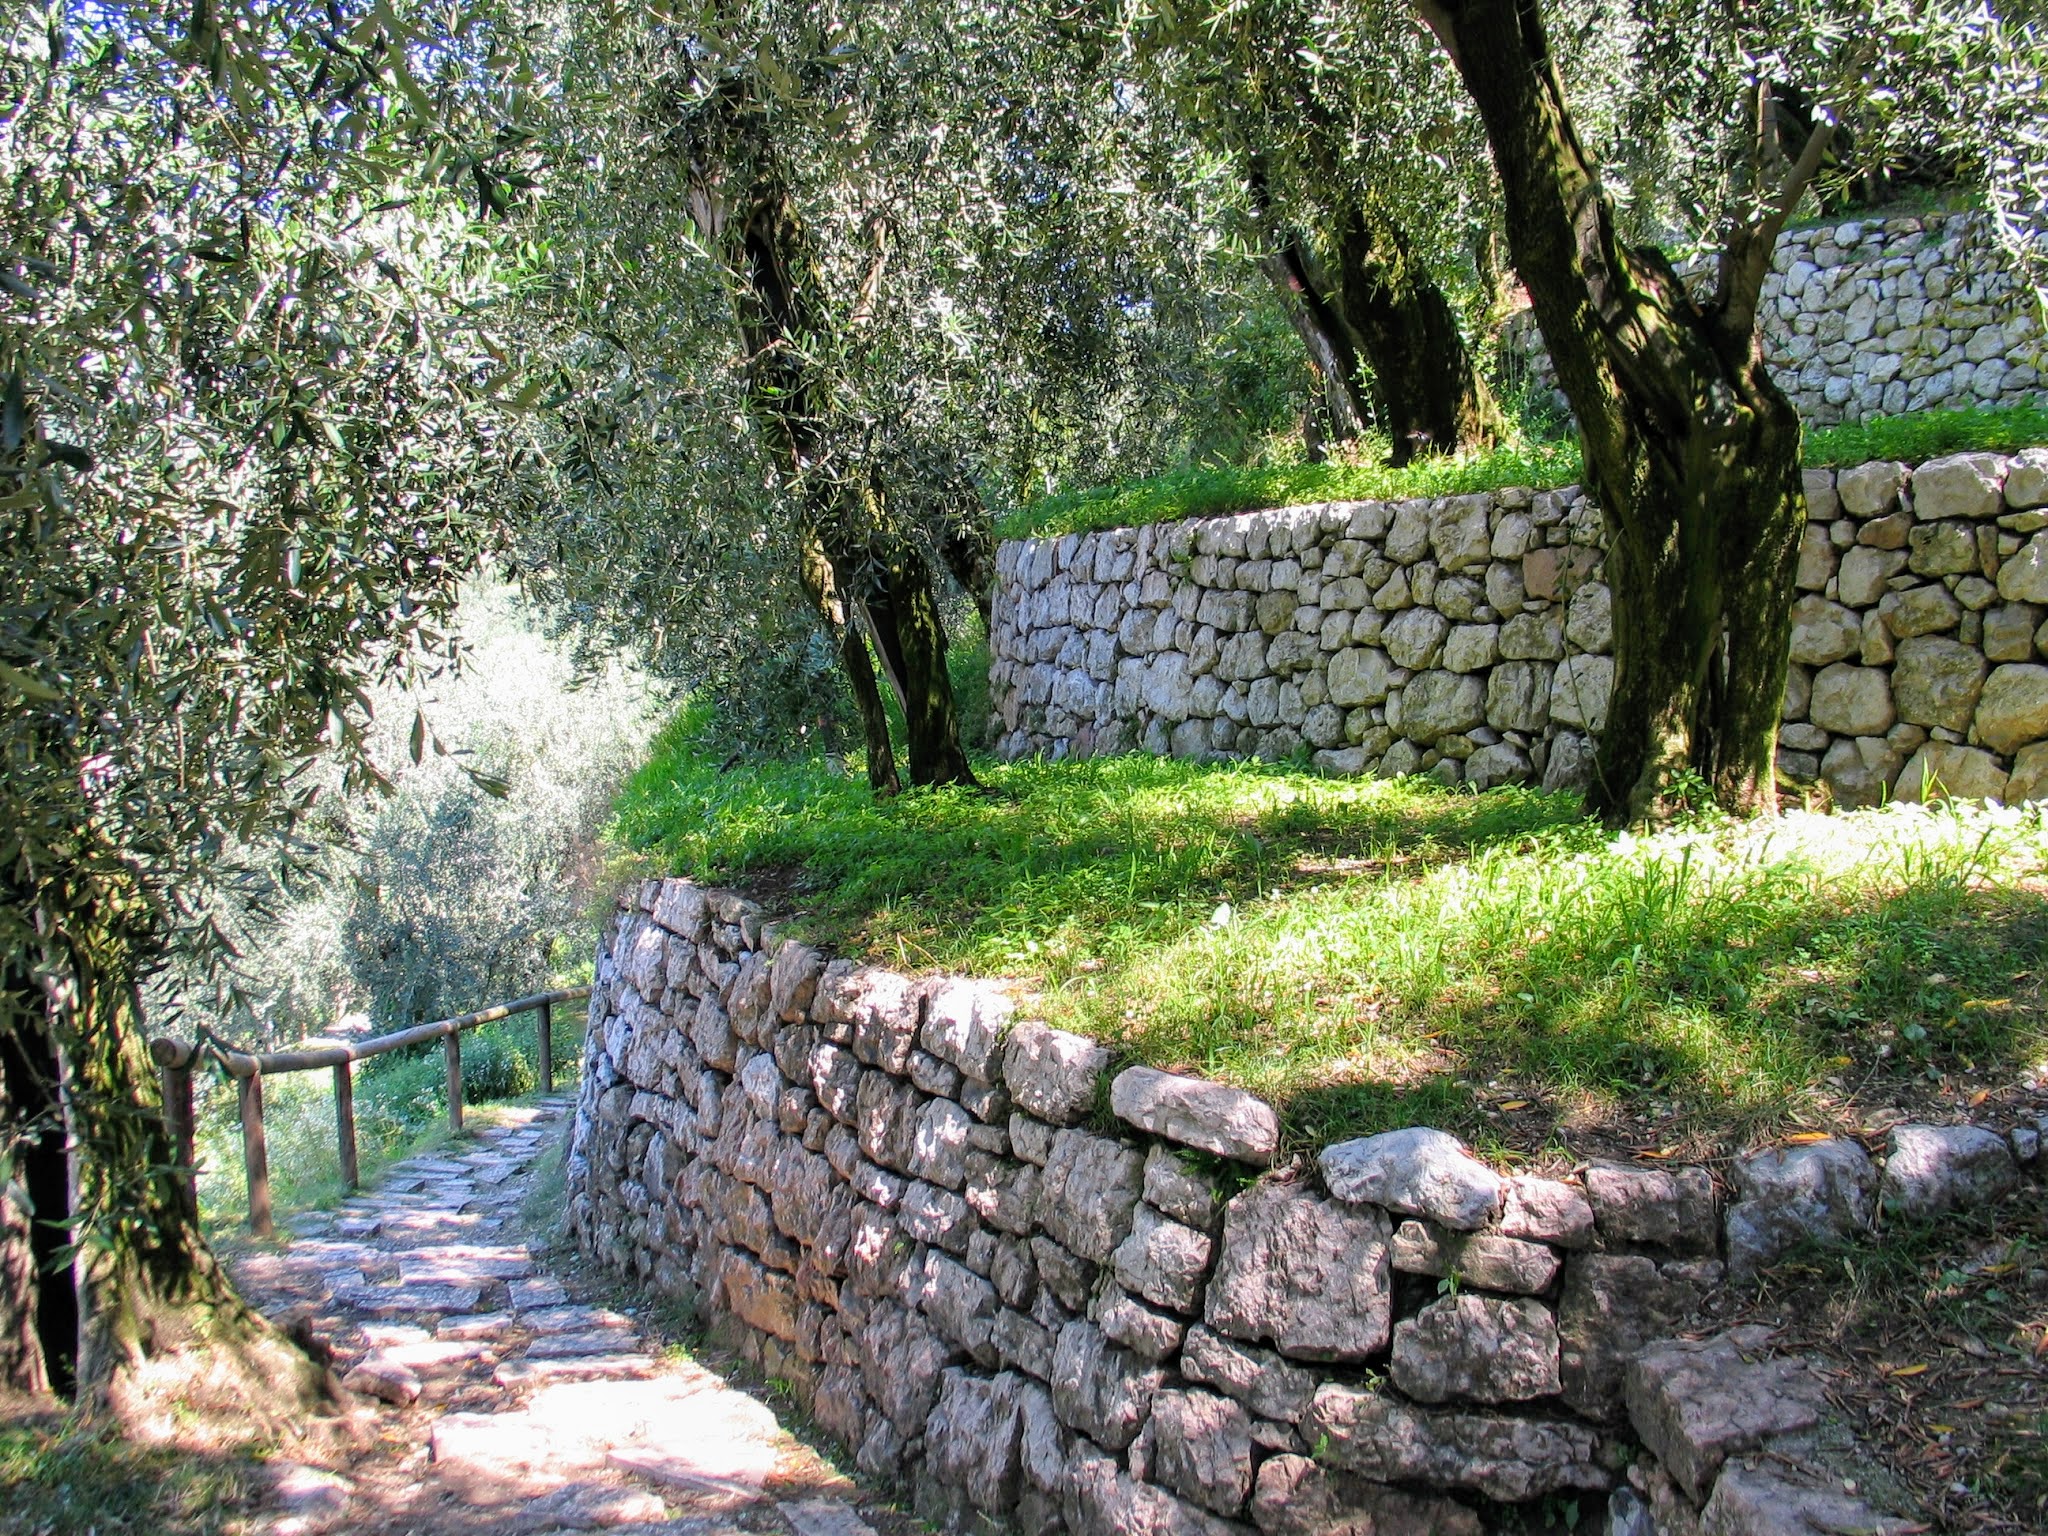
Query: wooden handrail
[(176, 1059)]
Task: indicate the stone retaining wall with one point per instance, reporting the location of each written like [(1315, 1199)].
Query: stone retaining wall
[(1876, 317), (1469, 636), (1069, 1302)]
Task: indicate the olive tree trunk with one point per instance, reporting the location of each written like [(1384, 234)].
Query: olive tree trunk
[(132, 1313), (1692, 452)]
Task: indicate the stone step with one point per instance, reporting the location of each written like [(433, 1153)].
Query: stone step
[(514, 1374)]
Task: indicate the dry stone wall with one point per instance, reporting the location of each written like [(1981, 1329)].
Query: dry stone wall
[(1469, 637), (1052, 1300), (1876, 317)]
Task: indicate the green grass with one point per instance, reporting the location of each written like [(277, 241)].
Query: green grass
[(61, 1480), (1376, 953), (401, 1104), (1215, 492)]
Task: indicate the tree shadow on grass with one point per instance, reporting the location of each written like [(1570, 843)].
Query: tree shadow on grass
[(1911, 1003)]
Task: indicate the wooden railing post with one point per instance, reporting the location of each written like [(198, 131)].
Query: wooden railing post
[(451, 1043), (256, 1154), (345, 1124), (547, 1047)]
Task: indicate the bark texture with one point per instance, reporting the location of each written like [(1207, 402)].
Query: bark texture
[(863, 565), (1691, 450)]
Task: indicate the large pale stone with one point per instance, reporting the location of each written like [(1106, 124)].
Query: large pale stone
[(1672, 1207), (1414, 638), (1380, 1437), (1163, 1261), (1180, 1189), (1458, 532), (1860, 772), (964, 1024), (1483, 1259), (1258, 1378), (1852, 701), (1490, 1349), (1089, 1192), (1417, 1171), (1360, 675), (1927, 610), (1766, 1497), (1870, 490), (1201, 1447), (2029, 779), (1099, 1499), (1306, 1274), (1696, 1403), (2024, 576), (1050, 1073), (1547, 1211), (1296, 1497), (1941, 771), (1211, 1116), (2026, 479), (1099, 1389), (1824, 1191), (1941, 549), (1823, 631), (974, 1437), (1439, 704), (1518, 696), (1579, 692), (1934, 1168), (2013, 708), (1936, 680), (1861, 579), (1961, 485), (1610, 1307)]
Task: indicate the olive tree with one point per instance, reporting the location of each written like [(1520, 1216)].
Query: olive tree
[(246, 340), (1692, 450)]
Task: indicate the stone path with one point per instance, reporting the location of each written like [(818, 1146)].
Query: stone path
[(491, 1399)]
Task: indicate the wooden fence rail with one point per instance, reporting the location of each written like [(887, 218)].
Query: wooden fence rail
[(176, 1059)]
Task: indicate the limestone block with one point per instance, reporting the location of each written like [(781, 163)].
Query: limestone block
[(1934, 1168), (2026, 479), (1458, 532), (1415, 637), (902, 1364), (793, 980), (1487, 1260), (1936, 681), (1510, 1459), (1823, 631), (885, 1117), (1200, 1446), (1175, 1186), (1817, 559), (1852, 701), (712, 1034), (1488, 1349), (1050, 1073), (1941, 770), (2012, 711), (1533, 636), (937, 1216), (1518, 696), (1870, 490), (961, 1305), (1360, 675), (1824, 1191), (1821, 501), (1163, 1261), (1547, 1211), (939, 1145), (1258, 1378), (1861, 579), (1502, 763), (1437, 704), (1941, 549), (1914, 611), (1961, 485), (1147, 1333), (1211, 1116), (2029, 779), (1697, 1402), (1765, 1497), (1099, 1499), (1407, 538), (1296, 1497), (1673, 1208), (965, 1023), (2009, 632), (1089, 1193), (1099, 1389), (1861, 772), (1307, 1274), (1580, 690), (1610, 1307), (1417, 1171)]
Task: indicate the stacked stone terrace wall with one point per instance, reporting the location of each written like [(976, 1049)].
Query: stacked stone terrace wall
[(1876, 317), (1054, 1300), (1469, 636)]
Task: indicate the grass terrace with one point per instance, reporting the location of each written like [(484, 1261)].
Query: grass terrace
[(1379, 953), (1217, 492)]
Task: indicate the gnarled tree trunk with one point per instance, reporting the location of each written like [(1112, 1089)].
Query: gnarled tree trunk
[(1691, 450)]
